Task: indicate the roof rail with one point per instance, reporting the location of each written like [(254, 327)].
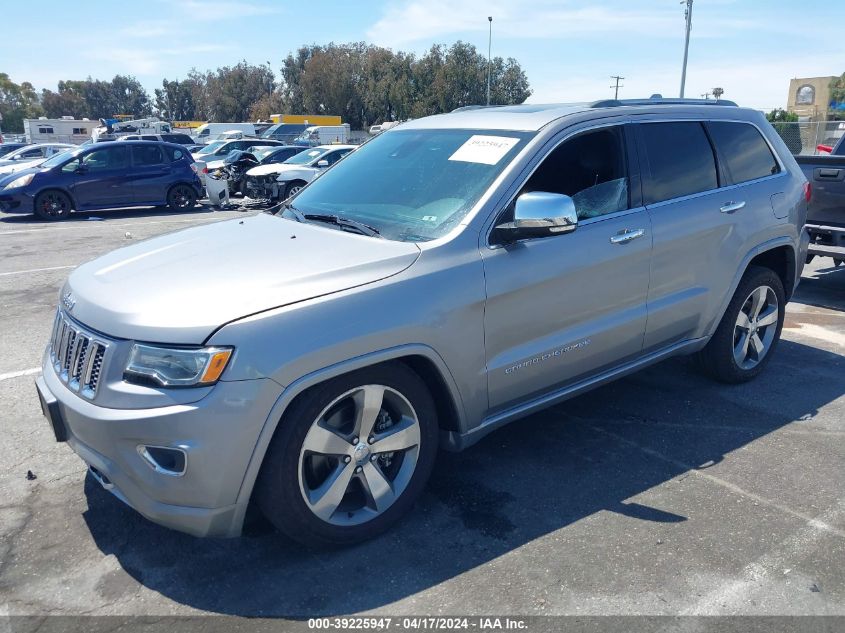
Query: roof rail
[(617, 103), (472, 107)]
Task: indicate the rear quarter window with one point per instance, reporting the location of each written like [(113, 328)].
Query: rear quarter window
[(174, 153), (679, 160), (745, 153)]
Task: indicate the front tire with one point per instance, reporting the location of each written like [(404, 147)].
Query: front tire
[(53, 205), (294, 188), (181, 198), (350, 457), (749, 330)]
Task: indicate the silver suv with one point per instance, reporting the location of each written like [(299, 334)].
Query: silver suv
[(451, 275)]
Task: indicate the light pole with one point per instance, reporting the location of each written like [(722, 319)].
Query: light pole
[(688, 16), (489, 48)]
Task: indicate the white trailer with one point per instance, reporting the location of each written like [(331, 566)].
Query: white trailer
[(63, 130)]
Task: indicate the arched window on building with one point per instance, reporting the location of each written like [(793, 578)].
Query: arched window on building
[(806, 95)]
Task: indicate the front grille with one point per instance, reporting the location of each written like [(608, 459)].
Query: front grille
[(77, 355)]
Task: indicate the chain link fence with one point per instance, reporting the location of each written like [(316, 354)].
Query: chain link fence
[(804, 137)]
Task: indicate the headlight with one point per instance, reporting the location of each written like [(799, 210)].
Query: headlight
[(23, 181), (175, 367)]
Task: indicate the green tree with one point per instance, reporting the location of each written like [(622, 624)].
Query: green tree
[(17, 102), (780, 115), (837, 90)]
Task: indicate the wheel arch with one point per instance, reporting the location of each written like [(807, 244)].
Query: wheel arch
[(421, 359), (67, 192), (778, 255)]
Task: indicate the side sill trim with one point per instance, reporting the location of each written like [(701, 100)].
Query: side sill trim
[(455, 441)]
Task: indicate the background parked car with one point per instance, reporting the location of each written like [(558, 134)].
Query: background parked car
[(5, 148), (30, 153), (281, 180), (286, 132), (180, 139), (220, 149), (236, 163), (102, 176)]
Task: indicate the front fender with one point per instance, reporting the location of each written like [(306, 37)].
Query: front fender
[(290, 392)]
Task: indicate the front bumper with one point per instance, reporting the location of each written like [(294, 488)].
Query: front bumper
[(262, 187), (16, 201), (217, 433)]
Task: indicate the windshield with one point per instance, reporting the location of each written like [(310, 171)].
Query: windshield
[(208, 149), (428, 180), (60, 158), (305, 157)]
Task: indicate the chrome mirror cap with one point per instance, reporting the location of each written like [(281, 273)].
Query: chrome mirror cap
[(540, 214)]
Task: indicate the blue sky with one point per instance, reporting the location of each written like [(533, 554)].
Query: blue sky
[(568, 48)]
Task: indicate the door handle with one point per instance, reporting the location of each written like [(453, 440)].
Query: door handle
[(828, 174), (623, 237), (730, 207)]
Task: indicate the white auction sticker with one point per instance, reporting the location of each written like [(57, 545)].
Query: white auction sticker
[(484, 149)]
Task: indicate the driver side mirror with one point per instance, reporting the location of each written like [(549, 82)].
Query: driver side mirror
[(322, 163), (539, 214)]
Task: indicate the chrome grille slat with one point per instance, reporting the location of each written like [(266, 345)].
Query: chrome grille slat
[(77, 355)]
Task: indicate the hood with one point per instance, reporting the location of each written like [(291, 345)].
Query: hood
[(180, 287), (7, 177), (272, 168)]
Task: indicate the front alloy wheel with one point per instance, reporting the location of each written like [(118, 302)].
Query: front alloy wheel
[(350, 456), (359, 455)]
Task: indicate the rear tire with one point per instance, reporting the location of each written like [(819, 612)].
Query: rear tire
[(749, 330), (325, 481), (181, 198), (53, 205)]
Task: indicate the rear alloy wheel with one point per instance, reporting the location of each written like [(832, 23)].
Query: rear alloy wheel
[(749, 330), (181, 197), (53, 205), (350, 457)]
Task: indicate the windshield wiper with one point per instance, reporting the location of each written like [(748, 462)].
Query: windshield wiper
[(360, 227)]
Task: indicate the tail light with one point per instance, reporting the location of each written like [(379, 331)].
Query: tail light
[(808, 191)]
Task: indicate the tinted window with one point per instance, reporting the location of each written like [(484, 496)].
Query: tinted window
[(679, 160), (147, 137), (747, 156), (174, 153), (333, 157), (182, 139), (591, 169), (146, 154), (101, 160)]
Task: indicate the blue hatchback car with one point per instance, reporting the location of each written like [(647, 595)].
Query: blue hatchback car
[(104, 176)]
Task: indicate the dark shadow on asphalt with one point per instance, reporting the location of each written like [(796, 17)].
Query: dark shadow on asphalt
[(537, 476), (102, 215), (823, 288)]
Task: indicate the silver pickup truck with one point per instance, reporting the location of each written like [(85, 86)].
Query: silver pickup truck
[(451, 275), (826, 215)]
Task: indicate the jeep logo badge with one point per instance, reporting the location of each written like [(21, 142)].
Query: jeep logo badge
[(68, 301)]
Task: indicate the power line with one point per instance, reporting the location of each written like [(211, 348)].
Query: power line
[(617, 86)]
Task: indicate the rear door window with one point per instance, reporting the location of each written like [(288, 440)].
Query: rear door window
[(679, 160), (745, 153), (144, 155)]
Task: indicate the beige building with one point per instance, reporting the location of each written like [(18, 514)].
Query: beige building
[(809, 97)]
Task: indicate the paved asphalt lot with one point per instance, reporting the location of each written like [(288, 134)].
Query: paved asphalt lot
[(663, 493)]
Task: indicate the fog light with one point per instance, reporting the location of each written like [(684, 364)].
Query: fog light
[(165, 460)]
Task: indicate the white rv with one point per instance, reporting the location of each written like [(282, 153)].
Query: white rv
[(63, 130)]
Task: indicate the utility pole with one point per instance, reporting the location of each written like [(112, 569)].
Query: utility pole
[(617, 86), (688, 17), (489, 48), (705, 96)]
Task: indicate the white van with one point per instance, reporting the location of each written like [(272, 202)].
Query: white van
[(210, 131), (324, 135)]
